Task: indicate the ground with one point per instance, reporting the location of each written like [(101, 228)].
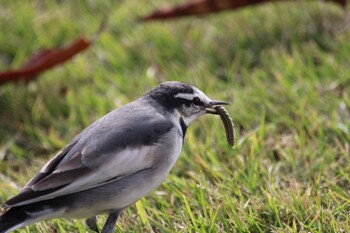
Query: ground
[(284, 67)]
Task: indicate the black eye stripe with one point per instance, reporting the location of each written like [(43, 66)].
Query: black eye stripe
[(171, 102)]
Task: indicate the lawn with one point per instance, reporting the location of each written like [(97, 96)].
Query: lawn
[(284, 67)]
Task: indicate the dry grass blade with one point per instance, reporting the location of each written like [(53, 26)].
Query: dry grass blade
[(229, 126)]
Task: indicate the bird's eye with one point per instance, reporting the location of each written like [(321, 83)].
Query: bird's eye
[(196, 101)]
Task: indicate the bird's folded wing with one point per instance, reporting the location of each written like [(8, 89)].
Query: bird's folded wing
[(74, 176), (90, 168), (50, 166)]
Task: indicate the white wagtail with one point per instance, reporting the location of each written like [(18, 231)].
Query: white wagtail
[(113, 162)]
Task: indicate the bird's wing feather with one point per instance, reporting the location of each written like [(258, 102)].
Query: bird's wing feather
[(50, 165), (111, 147)]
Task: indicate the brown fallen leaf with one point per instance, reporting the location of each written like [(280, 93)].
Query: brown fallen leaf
[(203, 7), (45, 59)]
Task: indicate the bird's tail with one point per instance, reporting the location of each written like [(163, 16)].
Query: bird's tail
[(12, 219)]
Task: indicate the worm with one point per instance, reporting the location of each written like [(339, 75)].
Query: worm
[(229, 126)]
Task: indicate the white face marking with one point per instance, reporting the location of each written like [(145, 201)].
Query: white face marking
[(197, 93), (185, 96), (190, 113), (190, 118), (201, 95)]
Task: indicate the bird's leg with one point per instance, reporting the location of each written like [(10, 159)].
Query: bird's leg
[(92, 223), (111, 221)]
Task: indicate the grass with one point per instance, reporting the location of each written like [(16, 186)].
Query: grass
[(284, 67)]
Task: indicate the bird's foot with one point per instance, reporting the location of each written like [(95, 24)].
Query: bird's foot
[(92, 224), (111, 221)]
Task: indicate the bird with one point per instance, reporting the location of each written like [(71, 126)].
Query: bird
[(113, 162)]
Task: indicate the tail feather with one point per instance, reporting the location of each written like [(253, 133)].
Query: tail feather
[(20, 216), (13, 219)]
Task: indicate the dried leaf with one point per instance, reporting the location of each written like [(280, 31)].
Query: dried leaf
[(203, 7), (47, 58), (43, 60)]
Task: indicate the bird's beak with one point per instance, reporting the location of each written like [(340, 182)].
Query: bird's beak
[(209, 107)]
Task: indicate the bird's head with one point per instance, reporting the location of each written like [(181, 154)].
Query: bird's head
[(188, 102)]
